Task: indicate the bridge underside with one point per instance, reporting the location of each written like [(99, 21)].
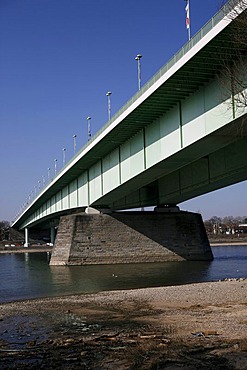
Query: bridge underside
[(217, 161)]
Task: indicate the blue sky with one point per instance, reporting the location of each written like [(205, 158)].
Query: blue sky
[(58, 58)]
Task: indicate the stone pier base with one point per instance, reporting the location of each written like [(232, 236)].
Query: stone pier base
[(130, 237)]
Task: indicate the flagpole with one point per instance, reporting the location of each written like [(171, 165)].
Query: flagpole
[(187, 9), (189, 19)]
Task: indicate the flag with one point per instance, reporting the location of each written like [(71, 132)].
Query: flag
[(187, 9)]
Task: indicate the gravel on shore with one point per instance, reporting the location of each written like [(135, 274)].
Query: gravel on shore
[(209, 300), (195, 326), (229, 291)]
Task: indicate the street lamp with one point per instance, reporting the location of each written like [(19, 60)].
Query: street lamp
[(64, 156), (55, 166), (74, 137), (89, 128), (108, 94), (138, 58), (49, 171)]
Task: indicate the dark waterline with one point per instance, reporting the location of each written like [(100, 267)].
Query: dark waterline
[(27, 276)]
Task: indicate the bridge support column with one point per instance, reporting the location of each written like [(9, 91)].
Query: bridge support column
[(26, 244), (130, 237)]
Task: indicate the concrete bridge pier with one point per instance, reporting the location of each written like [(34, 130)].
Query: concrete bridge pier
[(166, 234), (26, 243)]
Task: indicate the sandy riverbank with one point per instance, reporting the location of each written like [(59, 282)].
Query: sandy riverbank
[(225, 243), (39, 249), (196, 326), (218, 244), (32, 249)]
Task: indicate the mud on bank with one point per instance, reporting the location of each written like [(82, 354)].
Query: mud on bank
[(195, 326)]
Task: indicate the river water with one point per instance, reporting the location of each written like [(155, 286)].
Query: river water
[(28, 275)]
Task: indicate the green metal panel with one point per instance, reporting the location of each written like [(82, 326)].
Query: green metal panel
[(229, 160), (217, 165), (83, 190), (59, 201), (194, 175), (53, 204), (65, 197), (95, 182), (111, 176), (169, 186), (162, 137), (132, 157), (73, 196), (137, 154), (170, 132), (125, 161), (44, 210), (217, 104), (48, 206), (37, 214), (193, 118), (153, 143)]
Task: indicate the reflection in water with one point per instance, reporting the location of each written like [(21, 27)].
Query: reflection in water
[(110, 277), (29, 275), (61, 276), (26, 258)]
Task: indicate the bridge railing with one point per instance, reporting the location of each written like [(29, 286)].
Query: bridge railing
[(189, 45)]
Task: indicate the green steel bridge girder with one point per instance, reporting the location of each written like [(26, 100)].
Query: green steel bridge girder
[(217, 162)]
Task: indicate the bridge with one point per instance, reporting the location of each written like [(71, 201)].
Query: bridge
[(183, 134)]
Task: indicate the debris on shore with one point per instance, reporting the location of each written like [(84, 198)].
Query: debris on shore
[(195, 326)]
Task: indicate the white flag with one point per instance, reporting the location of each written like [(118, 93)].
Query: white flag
[(187, 9)]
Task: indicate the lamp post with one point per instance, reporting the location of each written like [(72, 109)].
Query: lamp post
[(55, 166), (48, 173), (89, 127), (108, 94), (64, 156), (74, 137), (138, 58)]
